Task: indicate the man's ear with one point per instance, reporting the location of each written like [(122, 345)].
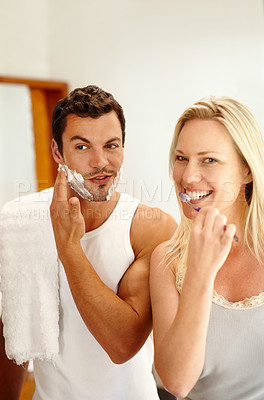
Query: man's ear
[(55, 152)]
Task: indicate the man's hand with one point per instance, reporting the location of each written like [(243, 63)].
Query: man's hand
[(67, 219)]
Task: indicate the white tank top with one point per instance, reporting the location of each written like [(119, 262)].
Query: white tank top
[(83, 370)]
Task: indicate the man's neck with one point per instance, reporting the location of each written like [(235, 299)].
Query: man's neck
[(95, 213)]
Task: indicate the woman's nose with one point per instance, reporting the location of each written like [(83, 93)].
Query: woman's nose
[(192, 173)]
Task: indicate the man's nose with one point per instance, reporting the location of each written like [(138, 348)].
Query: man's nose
[(97, 159)]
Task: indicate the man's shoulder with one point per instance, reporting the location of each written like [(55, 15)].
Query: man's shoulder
[(152, 215), (151, 226)]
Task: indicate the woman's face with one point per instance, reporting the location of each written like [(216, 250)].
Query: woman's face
[(209, 169)]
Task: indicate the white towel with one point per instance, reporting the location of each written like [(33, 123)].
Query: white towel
[(29, 279)]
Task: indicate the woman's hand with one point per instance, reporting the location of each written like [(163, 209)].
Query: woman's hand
[(210, 241), (67, 219)]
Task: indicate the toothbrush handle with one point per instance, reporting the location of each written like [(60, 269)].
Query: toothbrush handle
[(198, 209), (189, 204)]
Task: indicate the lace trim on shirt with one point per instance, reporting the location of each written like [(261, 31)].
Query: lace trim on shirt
[(254, 301)]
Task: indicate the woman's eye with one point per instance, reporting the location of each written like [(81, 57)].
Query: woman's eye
[(210, 160), (81, 147), (181, 158)]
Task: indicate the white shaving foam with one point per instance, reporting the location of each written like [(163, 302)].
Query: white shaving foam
[(76, 182), (113, 187)]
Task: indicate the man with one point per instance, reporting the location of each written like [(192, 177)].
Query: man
[(104, 241)]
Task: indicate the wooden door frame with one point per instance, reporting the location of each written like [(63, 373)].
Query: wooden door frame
[(44, 96)]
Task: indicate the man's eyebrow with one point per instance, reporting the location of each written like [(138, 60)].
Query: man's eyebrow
[(83, 139), (114, 139), (77, 137)]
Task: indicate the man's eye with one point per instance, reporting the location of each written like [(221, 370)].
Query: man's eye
[(111, 146), (81, 147)]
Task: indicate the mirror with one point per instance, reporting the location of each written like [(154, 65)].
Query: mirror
[(17, 154), (26, 163)]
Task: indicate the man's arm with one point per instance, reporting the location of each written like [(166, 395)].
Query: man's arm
[(12, 376), (120, 322), (150, 227)]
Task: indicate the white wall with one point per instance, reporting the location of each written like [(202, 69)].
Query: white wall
[(155, 56), (24, 38)]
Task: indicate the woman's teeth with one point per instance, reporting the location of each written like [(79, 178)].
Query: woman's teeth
[(197, 195)]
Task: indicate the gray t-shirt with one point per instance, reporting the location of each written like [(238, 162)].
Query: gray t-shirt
[(234, 360)]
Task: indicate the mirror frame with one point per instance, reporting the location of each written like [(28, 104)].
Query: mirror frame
[(44, 95)]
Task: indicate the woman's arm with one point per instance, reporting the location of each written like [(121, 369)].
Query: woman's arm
[(180, 321)]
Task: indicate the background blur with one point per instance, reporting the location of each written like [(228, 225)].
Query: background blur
[(155, 56)]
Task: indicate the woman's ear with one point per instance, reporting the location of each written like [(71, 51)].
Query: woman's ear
[(55, 152), (248, 176)]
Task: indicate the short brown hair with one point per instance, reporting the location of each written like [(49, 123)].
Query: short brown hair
[(89, 101)]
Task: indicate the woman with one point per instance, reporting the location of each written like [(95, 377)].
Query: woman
[(207, 288)]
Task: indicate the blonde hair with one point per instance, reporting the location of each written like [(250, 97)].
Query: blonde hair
[(248, 140)]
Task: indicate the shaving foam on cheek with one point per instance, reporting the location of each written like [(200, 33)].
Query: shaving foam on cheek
[(113, 187), (76, 182)]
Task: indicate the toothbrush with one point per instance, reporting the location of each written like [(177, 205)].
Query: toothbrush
[(185, 198)]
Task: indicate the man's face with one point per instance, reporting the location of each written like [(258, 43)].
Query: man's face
[(93, 147)]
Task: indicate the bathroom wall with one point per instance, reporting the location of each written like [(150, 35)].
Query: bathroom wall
[(155, 56)]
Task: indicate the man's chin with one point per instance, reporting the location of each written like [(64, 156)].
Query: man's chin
[(99, 199), (99, 196)]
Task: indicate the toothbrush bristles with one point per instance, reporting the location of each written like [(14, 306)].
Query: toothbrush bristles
[(185, 198)]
